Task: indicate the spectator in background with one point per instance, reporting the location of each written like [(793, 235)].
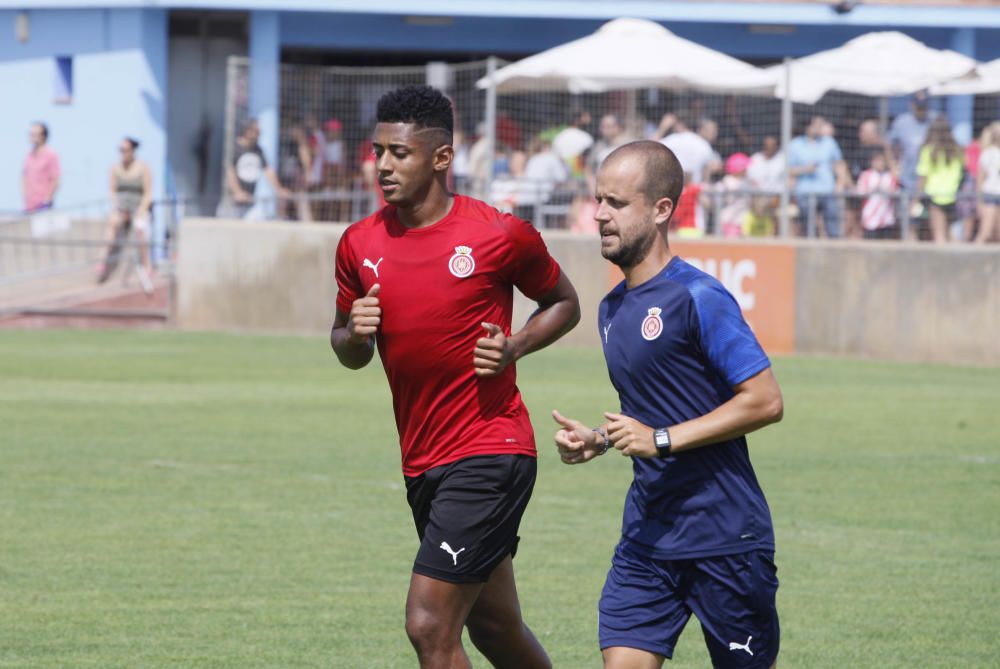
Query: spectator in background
[(732, 136), (692, 149), (684, 223), (736, 198), (529, 180), (814, 159), (709, 131), (316, 142), (460, 166), (504, 189), (766, 169), (131, 204), (879, 185), (40, 175), (479, 162), (766, 173), (297, 168), (860, 143), (242, 177), (988, 184), (967, 206), (543, 173), (508, 135), (695, 153), (315, 175), (907, 135), (612, 135), (869, 141), (572, 142), (857, 156), (939, 176), (335, 167)]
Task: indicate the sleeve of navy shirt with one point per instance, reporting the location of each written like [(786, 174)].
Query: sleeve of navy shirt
[(724, 336)]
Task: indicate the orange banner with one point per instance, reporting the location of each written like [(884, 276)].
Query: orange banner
[(760, 276)]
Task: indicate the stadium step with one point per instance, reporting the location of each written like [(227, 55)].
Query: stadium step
[(90, 306)]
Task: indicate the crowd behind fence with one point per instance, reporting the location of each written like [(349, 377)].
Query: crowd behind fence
[(539, 155)]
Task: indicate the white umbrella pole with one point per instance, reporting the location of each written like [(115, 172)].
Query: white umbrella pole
[(883, 115), (784, 225), (491, 125)]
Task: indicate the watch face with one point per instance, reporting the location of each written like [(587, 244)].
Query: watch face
[(661, 438)]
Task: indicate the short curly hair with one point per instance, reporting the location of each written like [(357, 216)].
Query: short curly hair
[(424, 106)]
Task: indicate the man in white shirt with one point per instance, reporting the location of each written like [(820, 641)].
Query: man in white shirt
[(693, 151), (767, 167), (572, 142)]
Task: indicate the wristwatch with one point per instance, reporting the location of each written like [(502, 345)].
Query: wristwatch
[(607, 442), (661, 438)]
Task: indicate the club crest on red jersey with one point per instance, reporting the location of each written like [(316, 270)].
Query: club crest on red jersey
[(462, 263), (652, 324)]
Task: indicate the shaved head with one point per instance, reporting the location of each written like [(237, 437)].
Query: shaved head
[(662, 176)]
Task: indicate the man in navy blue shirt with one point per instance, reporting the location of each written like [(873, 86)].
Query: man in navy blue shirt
[(692, 381)]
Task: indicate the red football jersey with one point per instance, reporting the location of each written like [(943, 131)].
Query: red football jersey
[(438, 285)]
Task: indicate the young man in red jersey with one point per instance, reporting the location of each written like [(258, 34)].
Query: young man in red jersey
[(429, 279)]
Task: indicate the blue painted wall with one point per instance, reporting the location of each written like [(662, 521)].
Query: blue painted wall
[(464, 34), (119, 88)]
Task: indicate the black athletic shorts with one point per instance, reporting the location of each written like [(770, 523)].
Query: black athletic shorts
[(467, 515)]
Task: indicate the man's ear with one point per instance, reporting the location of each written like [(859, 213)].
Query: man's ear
[(664, 208), (443, 155)]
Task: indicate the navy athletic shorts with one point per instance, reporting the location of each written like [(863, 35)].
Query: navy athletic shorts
[(467, 515), (647, 602)]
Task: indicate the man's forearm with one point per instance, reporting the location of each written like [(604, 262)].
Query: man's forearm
[(545, 326), (729, 421), (352, 353), (754, 406)]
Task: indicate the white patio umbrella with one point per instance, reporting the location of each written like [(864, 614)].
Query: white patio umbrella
[(987, 80), (630, 54), (876, 64)]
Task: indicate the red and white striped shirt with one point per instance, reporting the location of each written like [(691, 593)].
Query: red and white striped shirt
[(879, 209)]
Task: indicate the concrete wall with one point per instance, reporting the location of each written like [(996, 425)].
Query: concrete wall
[(882, 300), (278, 277), (273, 277), (119, 88), (894, 301)]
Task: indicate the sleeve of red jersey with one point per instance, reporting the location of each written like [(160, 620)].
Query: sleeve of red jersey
[(345, 268), (534, 271)]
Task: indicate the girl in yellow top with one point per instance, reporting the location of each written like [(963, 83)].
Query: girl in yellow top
[(939, 172)]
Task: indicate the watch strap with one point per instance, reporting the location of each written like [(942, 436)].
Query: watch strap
[(661, 438)]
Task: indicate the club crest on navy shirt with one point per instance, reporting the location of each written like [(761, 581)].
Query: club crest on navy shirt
[(652, 325), (462, 263)]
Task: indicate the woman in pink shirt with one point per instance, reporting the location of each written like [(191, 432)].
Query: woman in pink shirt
[(40, 176)]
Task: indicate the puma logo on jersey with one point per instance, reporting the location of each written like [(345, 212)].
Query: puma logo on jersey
[(741, 646), (368, 263), (454, 554)]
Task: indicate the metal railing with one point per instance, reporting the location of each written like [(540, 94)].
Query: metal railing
[(67, 240), (61, 264)]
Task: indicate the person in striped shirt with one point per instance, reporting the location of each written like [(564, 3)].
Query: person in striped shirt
[(881, 184)]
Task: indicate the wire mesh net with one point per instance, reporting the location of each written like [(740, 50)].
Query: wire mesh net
[(327, 114), (546, 148)]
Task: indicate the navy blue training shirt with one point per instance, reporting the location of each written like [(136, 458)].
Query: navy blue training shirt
[(675, 347)]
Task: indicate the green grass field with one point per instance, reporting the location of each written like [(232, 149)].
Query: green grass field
[(181, 500)]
